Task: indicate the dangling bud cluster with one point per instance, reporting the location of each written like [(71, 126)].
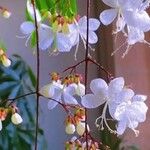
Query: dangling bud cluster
[(4, 59), (15, 117), (79, 144), (76, 122), (5, 12)]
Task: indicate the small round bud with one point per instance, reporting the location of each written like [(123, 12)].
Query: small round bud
[(6, 62), (80, 128), (6, 14), (70, 128), (16, 119)]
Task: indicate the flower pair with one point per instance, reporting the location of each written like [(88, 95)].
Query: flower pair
[(131, 19), (61, 34), (15, 118), (63, 90), (124, 106)]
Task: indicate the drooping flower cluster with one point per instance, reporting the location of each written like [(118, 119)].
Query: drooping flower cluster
[(63, 90), (131, 19), (62, 33), (124, 106), (77, 144), (4, 59), (15, 117), (76, 122)]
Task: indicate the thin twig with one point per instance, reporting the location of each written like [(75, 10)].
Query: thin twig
[(38, 73), (86, 70)]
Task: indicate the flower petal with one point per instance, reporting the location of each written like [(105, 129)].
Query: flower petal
[(91, 101), (27, 27), (63, 43), (135, 35), (69, 99), (108, 16), (111, 3), (139, 98), (137, 111), (74, 34), (98, 86), (52, 104), (122, 125), (140, 19), (124, 96), (93, 24), (120, 112), (115, 86), (45, 37)]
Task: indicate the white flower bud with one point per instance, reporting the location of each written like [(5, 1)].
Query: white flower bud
[(6, 62), (80, 90), (80, 128), (6, 14), (16, 119), (70, 128), (1, 125)]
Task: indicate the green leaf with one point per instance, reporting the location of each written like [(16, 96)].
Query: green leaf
[(18, 80)]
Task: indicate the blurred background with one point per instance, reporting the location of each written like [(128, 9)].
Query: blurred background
[(134, 68)]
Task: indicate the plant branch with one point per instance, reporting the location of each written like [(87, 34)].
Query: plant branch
[(38, 73)]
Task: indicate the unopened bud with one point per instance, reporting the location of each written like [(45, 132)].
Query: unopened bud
[(6, 14), (16, 119), (80, 128), (70, 128), (6, 62)]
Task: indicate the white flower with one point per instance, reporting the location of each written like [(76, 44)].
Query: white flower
[(16, 119), (130, 14), (70, 128), (130, 113), (102, 92), (79, 29), (60, 93), (48, 90)]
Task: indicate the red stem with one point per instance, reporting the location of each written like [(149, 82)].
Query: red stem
[(38, 74)]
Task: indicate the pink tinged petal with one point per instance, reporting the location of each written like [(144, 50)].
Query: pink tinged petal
[(122, 125), (115, 86), (135, 35), (91, 101), (139, 19), (27, 27), (124, 96), (111, 3), (108, 16), (45, 37), (63, 43), (141, 98)]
